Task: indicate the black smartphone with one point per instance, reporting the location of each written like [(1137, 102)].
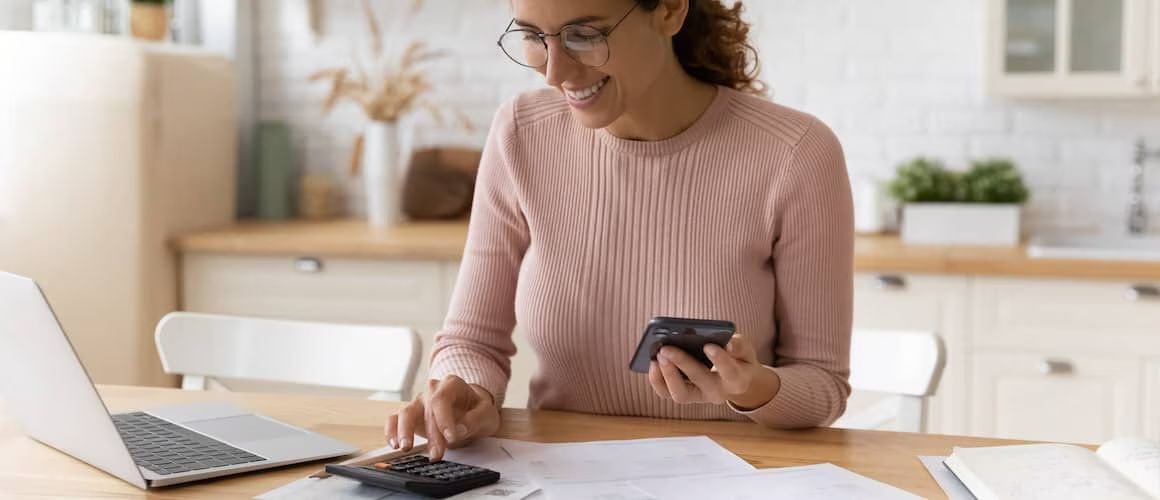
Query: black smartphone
[(691, 335)]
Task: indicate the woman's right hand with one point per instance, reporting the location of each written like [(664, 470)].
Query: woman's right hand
[(450, 414)]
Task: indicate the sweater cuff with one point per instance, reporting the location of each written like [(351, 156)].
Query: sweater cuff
[(473, 371), (797, 403)]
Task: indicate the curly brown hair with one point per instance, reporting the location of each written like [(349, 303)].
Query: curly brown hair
[(713, 46)]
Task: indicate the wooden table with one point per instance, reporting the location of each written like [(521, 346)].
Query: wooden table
[(29, 469)]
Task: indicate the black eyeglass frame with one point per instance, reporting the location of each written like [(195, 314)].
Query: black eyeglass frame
[(545, 36)]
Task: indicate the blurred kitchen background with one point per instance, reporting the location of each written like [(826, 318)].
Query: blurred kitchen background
[(236, 193)]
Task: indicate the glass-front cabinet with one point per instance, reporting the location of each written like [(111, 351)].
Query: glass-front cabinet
[(1078, 48)]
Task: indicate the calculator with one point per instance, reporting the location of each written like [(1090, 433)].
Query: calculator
[(418, 474)]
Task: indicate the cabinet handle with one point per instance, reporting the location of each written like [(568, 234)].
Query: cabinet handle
[(890, 282), (308, 265), (1056, 367), (1142, 292)]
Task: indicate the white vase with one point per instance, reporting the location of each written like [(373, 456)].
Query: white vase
[(386, 157)]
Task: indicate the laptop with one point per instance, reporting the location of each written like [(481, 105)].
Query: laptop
[(44, 388)]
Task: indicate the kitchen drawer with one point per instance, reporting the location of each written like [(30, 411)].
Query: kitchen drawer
[(936, 304), (1055, 396), (1084, 316), (391, 292), (910, 302)]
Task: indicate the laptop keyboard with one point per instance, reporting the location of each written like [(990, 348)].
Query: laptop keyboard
[(167, 448)]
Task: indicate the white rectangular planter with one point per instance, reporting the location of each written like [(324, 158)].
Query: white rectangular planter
[(961, 223)]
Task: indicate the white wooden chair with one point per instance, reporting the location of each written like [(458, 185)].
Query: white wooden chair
[(905, 365), (205, 347)]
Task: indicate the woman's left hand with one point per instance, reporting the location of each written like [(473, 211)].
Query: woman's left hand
[(737, 376)]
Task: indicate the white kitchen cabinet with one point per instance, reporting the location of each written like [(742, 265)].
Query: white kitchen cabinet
[(1073, 48), (1097, 340), (937, 304), (412, 293), (1054, 396), (399, 292), (1096, 317), (387, 292), (1023, 387)]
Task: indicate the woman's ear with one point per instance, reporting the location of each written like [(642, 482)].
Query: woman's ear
[(672, 15)]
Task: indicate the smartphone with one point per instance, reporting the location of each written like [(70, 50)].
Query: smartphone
[(691, 335)]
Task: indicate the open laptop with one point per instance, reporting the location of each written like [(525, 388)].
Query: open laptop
[(45, 388)]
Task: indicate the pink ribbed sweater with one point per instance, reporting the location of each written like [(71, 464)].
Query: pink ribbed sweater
[(581, 237)]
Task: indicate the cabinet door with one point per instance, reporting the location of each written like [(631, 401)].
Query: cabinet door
[(1053, 396), (388, 292), (936, 304), (1043, 48)]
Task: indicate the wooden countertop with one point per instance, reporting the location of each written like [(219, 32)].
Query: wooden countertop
[(338, 238), (444, 241), (30, 469)]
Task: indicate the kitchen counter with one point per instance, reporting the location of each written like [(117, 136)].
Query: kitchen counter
[(444, 241)]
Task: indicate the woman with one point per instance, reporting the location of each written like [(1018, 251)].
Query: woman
[(648, 181)]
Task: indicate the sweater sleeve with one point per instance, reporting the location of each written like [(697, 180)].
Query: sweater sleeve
[(813, 265), (475, 342)]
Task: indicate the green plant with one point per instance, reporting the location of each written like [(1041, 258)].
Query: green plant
[(994, 180), (924, 180)]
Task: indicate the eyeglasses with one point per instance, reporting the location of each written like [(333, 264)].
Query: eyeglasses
[(584, 44)]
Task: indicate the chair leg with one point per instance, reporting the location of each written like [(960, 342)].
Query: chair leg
[(193, 382), (912, 414)]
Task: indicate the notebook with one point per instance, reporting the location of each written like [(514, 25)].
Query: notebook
[(1126, 468)]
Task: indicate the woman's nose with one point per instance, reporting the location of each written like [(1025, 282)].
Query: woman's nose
[(560, 65)]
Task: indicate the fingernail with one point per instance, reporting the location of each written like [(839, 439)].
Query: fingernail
[(394, 444), (405, 443), (461, 430), (449, 434)]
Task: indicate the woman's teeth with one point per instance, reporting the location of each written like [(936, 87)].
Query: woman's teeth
[(585, 94)]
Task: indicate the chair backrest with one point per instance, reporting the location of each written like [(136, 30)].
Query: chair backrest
[(382, 359), (906, 364)]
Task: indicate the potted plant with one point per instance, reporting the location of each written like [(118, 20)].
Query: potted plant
[(387, 91), (149, 19), (980, 206)]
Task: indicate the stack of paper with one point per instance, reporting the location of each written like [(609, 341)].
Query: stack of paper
[(642, 469), (679, 468)]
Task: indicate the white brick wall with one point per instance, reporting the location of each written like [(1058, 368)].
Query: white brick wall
[(894, 78)]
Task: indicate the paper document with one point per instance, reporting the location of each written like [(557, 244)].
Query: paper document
[(487, 453), (945, 478), (610, 461), (809, 482)]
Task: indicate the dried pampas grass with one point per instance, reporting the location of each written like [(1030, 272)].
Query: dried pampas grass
[(391, 90)]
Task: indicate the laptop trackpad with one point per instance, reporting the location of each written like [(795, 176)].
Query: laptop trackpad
[(243, 429)]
